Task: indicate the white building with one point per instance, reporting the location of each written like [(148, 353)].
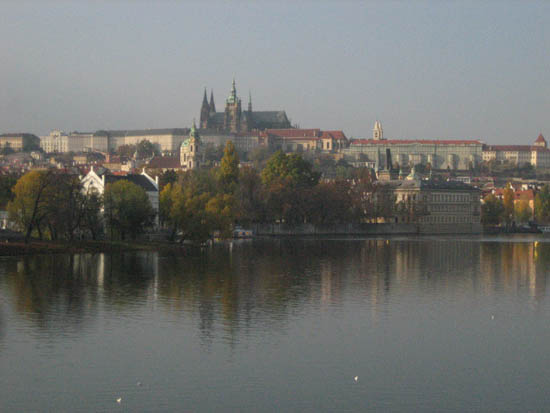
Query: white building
[(97, 182), (60, 142)]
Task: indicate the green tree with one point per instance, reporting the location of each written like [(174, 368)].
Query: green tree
[(220, 210), (292, 168), (250, 197), (492, 210), (126, 150), (145, 149), (523, 211), (7, 182), (127, 209), (542, 205), (29, 205), (228, 172)]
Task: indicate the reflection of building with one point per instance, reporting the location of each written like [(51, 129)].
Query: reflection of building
[(538, 154), (440, 154)]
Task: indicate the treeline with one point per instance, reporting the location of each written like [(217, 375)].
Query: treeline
[(506, 210), (53, 205), (196, 204)]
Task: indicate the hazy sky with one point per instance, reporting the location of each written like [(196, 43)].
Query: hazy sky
[(441, 69)]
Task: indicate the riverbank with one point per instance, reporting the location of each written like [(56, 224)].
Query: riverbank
[(11, 248)]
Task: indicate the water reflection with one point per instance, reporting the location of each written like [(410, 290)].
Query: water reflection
[(261, 284)]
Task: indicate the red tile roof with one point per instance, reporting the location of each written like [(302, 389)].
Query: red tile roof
[(416, 141), (165, 162), (514, 148), (540, 139), (294, 133)]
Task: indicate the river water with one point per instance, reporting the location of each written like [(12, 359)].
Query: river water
[(399, 324)]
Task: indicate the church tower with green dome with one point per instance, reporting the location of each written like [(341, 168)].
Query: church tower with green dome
[(189, 151)]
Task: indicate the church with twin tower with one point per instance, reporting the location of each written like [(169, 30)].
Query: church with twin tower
[(236, 120)]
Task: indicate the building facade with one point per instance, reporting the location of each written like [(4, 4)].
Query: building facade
[(300, 140), (538, 154), (439, 154), (19, 141), (94, 181)]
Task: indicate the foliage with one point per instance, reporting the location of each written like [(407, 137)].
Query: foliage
[(167, 177), (522, 211), (127, 151), (7, 182), (145, 149), (492, 210), (127, 209), (250, 197), (542, 205), (291, 169), (52, 204), (228, 172), (28, 207)]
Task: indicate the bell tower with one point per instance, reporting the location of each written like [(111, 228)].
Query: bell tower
[(232, 118), (377, 131)]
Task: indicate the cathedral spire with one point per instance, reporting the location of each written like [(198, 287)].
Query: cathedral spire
[(212, 104), (205, 111)]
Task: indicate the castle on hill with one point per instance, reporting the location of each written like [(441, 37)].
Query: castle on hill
[(236, 120)]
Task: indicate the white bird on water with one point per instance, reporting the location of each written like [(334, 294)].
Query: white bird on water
[(119, 400), (356, 378)]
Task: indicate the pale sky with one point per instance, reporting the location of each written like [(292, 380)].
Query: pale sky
[(433, 69)]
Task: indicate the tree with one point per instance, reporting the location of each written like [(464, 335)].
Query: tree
[(508, 197), (7, 182), (542, 205), (127, 151), (28, 207), (228, 172), (523, 211), (492, 210), (167, 177), (250, 197), (127, 209), (221, 211), (145, 149), (292, 168)]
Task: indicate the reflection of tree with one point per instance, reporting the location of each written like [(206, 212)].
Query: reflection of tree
[(57, 291)]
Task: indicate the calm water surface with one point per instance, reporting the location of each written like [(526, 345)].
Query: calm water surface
[(427, 324)]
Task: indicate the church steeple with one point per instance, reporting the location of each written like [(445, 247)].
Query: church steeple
[(205, 111), (212, 105)]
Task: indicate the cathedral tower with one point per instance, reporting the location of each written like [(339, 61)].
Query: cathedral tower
[(232, 117)]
